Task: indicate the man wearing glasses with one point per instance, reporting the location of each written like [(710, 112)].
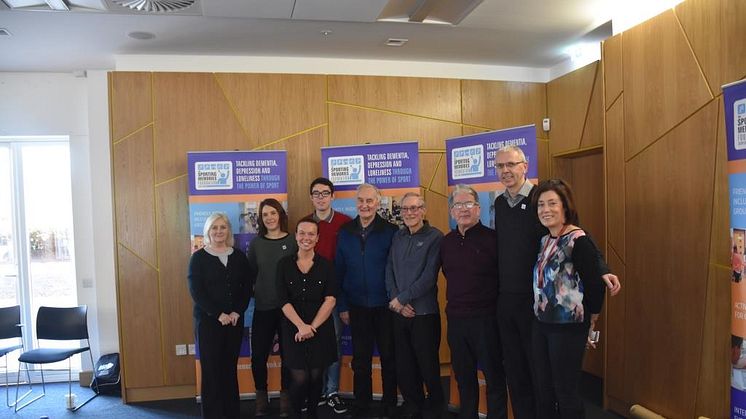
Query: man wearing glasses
[(322, 195), (411, 283), (469, 260), (518, 233)]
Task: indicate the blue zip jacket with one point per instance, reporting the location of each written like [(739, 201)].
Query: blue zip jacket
[(360, 265)]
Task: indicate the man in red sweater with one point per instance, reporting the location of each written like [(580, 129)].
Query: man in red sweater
[(322, 195)]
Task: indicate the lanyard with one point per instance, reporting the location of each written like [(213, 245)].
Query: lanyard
[(544, 258)]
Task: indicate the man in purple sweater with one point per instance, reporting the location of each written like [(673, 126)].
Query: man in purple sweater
[(469, 262)]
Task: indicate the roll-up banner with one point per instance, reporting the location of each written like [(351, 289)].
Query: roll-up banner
[(235, 182), (394, 169), (734, 99), (471, 161)]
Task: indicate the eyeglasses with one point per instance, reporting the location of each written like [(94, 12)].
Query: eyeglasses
[(412, 208), (321, 194), (509, 165), (467, 205)]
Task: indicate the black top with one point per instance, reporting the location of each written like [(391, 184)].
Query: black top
[(306, 292), (469, 264), (216, 288)]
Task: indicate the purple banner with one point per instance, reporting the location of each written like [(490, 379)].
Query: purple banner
[(237, 172), (391, 165)]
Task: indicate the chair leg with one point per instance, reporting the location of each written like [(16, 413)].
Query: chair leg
[(16, 405), (95, 392)]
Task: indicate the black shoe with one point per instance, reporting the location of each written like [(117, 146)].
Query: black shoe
[(336, 403)]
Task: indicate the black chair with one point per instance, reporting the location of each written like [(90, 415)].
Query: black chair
[(55, 323), (10, 328)]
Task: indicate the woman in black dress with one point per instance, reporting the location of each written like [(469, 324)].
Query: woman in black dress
[(307, 289), (219, 285)]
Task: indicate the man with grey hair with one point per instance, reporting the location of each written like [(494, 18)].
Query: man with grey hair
[(518, 235), (360, 265), (411, 282), (469, 259)]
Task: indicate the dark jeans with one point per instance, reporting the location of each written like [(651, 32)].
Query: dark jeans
[(372, 326), (515, 318), (417, 343), (475, 341), (264, 326), (218, 356), (558, 351)]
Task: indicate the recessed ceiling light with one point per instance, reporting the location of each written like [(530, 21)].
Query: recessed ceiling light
[(396, 42), (327, 32), (4, 32), (143, 36)]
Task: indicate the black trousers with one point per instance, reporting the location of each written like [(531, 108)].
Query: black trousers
[(558, 351), (515, 318), (417, 343), (372, 327), (264, 326), (218, 356), (472, 341)]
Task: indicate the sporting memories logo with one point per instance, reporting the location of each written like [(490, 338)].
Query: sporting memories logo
[(346, 170), (213, 175), (467, 162), (739, 124)]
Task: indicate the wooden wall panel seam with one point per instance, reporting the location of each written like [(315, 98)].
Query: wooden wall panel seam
[(232, 107), (588, 106), (161, 306), (326, 111), (461, 99), (616, 253), (475, 127), (135, 132), (388, 111), (295, 134), (432, 150), (129, 249), (175, 178), (663, 135), (579, 151), (694, 53)]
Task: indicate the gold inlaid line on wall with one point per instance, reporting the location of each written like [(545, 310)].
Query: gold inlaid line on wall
[(133, 133), (230, 105), (435, 172), (590, 101), (432, 151), (686, 118), (694, 54), (326, 110), (388, 111), (437, 193), (170, 180), (137, 256), (614, 100), (476, 127), (578, 151), (295, 134), (616, 253)]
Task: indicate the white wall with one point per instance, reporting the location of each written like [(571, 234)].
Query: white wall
[(61, 104)]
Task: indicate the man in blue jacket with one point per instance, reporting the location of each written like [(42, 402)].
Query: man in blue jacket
[(362, 251)]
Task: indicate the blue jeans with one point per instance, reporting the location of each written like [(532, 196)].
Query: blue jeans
[(331, 378)]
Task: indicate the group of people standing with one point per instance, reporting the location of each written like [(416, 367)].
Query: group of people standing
[(521, 300)]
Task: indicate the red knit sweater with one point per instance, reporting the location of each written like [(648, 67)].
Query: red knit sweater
[(327, 245)]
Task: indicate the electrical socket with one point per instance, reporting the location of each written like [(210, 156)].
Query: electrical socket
[(191, 350), (181, 350)]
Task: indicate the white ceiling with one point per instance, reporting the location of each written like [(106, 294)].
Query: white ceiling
[(526, 33)]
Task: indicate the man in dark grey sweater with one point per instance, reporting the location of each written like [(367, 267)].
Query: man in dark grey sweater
[(411, 283)]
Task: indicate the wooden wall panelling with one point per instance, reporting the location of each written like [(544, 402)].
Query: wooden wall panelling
[(304, 165), (131, 101), (438, 216), (428, 166), (698, 18), (593, 130), (733, 32), (612, 67), (542, 153), (720, 243), (561, 168), (191, 114), (133, 194), (615, 313), (713, 384), (567, 105), (662, 82), (139, 311), (429, 97), (667, 266), (615, 165), (289, 103), (173, 259), (504, 104), (440, 181), (350, 125)]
